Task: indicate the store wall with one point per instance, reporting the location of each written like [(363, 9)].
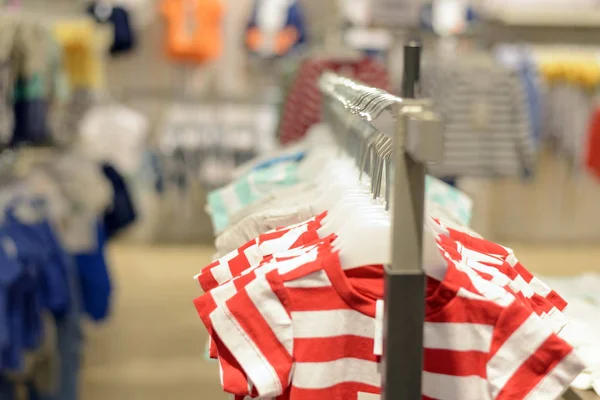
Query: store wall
[(559, 205)]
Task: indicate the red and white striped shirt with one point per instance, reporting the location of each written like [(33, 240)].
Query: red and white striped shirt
[(251, 254), (524, 278), (499, 272), (307, 333), (209, 302), (303, 102)]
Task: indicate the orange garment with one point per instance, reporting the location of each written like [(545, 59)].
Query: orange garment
[(284, 40), (193, 29)]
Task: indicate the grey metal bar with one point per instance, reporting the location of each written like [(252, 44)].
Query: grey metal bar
[(404, 279)]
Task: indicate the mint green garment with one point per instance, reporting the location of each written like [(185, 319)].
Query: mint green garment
[(226, 201), (452, 200)]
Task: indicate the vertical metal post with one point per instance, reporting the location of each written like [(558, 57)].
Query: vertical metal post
[(402, 361)]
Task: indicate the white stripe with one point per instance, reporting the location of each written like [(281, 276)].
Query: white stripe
[(282, 243), (488, 290), (557, 381), (458, 336), (230, 200), (540, 287), (448, 387), (254, 363), (480, 257), (229, 256), (289, 265), (223, 293), (512, 260), (221, 273), (299, 223), (226, 258), (295, 252), (498, 278), (332, 323), (323, 375), (314, 280), (519, 284), (515, 351), (271, 309), (253, 255)]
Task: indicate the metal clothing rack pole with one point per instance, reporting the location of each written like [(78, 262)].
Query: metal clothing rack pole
[(418, 139)]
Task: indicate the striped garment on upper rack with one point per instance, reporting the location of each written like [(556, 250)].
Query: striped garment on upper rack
[(303, 102), (487, 121)]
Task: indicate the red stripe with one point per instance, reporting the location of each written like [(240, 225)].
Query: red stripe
[(243, 280), (509, 321), (265, 237), (307, 238), (455, 363), (524, 272), (557, 300), (462, 310), (247, 245), (342, 391), (234, 379), (238, 264), (303, 270), (537, 366), (540, 304), (205, 304), (334, 348), (316, 299), (260, 334), (207, 281)]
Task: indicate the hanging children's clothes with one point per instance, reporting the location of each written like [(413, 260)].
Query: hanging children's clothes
[(82, 43), (309, 284), (7, 33), (30, 97), (118, 17), (193, 29), (593, 144), (276, 28), (226, 201), (487, 125), (122, 211), (95, 281), (303, 103)]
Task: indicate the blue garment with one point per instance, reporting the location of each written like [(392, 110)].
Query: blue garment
[(296, 157), (30, 122), (295, 19), (24, 297), (122, 212), (529, 76), (10, 271), (69, 337), (36, 274), (124, 36), (49, 258), (94, 279)]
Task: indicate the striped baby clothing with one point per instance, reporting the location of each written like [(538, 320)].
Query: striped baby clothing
[(303, 102), (306, 331), (487, 122)]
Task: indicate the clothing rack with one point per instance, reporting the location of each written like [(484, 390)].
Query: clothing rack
[(417, 133)]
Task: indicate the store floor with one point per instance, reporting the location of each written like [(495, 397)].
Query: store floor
[(152, 348)]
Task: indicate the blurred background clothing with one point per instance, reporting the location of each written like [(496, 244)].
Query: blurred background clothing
[(141, 140)]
